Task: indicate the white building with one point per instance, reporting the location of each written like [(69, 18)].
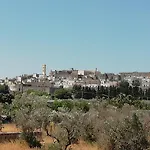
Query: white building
[(68, 83), (108, 83)]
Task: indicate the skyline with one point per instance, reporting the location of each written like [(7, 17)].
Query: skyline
[(112, 36)]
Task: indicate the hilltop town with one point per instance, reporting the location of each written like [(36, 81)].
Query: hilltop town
[(68, 78)]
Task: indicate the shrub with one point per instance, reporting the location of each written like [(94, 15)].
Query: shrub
[(67, 104), (82, 106), (38, 93), (88, 127), (30, 138), (89, 132), (128, 134), (120, 102), (56, 104), (63, 94)]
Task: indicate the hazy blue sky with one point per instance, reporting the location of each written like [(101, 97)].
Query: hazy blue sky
[(112, 35)]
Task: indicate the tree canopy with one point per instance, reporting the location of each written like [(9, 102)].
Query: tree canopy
[(4, 89), (63, 94)]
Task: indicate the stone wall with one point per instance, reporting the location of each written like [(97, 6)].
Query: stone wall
[(9, 136)]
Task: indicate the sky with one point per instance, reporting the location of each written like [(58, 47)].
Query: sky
[(111, 35)]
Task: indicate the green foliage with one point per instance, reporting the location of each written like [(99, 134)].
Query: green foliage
[(124, 84), (30, 138), (147, 94), (6, 98), (38, 93), (30, 111), (82, 106), (56, 104), (63, 94), (77, 91), (124, 87), (112, 91), (109, 121), (83, 92), (68, 104), (4, 89), (120, 102), (7, 112), (89, 93)]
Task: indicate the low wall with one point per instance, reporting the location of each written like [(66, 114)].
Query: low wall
[(10, 136)]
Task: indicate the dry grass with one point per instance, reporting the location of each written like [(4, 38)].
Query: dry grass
[(10, 128), (81, 146), (84, 146), (17, 145), (47, 140), (21, 145)]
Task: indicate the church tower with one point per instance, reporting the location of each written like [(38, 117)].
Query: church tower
[(44, 70)]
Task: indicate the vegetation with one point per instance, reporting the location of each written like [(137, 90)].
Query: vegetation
[(4, 89), (83, 92), (21, 145), (31, 140), (38, 93), (69, 105), (5, 96), (63, 94), (128, 134), (29, 113), (79, 92), (67, 130), (0, 116), (116, 123)]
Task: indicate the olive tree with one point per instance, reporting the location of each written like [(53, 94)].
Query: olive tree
[(30, 112), (67, 129), (115, 129)]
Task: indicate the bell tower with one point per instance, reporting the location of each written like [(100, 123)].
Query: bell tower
[(44, 70)]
